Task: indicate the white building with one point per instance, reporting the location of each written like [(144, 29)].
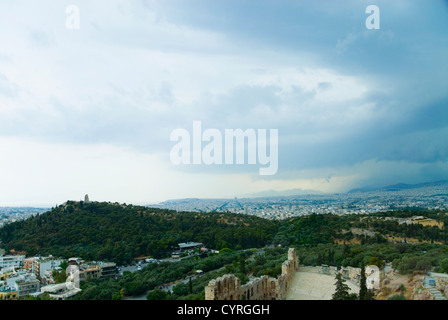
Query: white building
[(60, 291), (10, 261), (25, 284), (48, 265), (372, 277)]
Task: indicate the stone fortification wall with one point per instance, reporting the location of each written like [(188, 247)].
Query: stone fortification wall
[(228, 287)]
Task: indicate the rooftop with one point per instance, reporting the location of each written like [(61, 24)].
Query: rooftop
[(189, 244), (7, 289)]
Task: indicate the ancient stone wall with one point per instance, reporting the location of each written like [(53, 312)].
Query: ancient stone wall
[(228, 287)]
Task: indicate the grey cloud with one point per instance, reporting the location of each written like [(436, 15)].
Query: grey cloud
[(395, 135), (7, 88), (42, 39), (324, 86)]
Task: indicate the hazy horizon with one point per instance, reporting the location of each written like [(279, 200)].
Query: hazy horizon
[(263, 194)]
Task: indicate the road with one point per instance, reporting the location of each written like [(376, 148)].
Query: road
[(135, 267)]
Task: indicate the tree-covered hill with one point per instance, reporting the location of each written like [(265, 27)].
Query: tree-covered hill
[(120, 233), (378, 228)]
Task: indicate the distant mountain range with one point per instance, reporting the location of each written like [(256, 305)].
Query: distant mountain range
[(394, 187), (302, 192), (401, 186), (261, 194), (285, 193)]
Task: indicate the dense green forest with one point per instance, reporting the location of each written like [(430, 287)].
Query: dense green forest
[(120, 233)]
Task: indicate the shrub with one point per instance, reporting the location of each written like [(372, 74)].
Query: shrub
[(397, 297)]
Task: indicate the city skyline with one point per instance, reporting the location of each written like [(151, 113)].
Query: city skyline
[(90, 93)]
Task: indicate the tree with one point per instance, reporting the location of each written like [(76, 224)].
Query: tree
[(342, 289), (444, 265), (397, 297), (376, 262), (118, 295), (242, 264), (346, 252), (364, 293), (63, 265), (181, 289), (225, 250), (59, 277), (331, 260), (157, 294), (363, 289)]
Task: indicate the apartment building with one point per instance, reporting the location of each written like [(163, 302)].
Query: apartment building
[(24, 283), (11, 261), (7, 293)]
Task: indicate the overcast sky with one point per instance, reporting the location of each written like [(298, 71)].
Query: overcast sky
[(90, 110)]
